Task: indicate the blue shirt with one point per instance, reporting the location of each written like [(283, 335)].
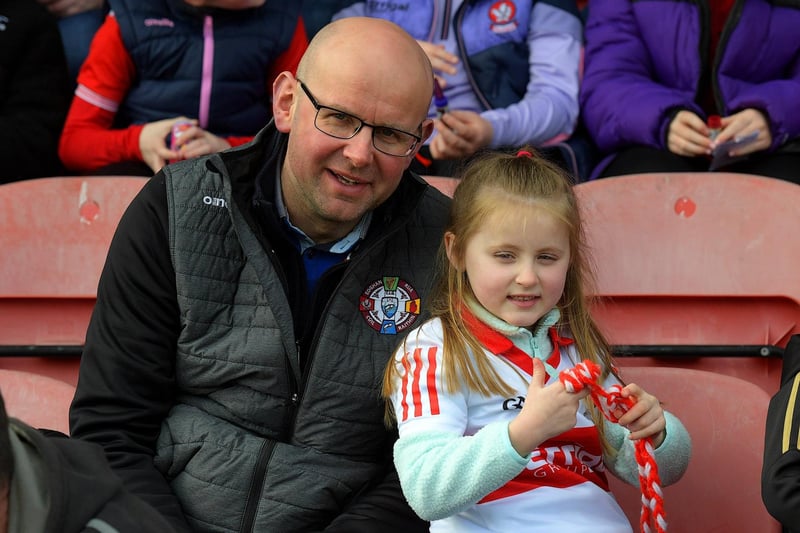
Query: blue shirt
[(318, 258)]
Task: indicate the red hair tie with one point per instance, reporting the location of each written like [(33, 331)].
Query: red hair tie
[(525, 153)]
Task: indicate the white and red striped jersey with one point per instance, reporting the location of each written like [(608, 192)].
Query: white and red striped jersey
[(563, 486)]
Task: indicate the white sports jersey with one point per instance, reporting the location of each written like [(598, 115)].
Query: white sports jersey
[(563, 488)]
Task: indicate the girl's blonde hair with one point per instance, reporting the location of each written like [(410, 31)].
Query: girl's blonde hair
[(491, 183)]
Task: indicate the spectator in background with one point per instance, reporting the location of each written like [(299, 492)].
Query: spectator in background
[(780, 472), (251, 299), (317, 13), (509, 71), (155, 63), (656, 71), (50, 483), (78, 21), (34, 91)]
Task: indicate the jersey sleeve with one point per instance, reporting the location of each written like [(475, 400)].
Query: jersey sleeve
[(442, 471)]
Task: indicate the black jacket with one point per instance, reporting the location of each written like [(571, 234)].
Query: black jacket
[(780, 476), (83, 493), (302, 446), (35, 91)]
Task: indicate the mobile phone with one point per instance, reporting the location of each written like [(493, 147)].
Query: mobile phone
[(721, 154)]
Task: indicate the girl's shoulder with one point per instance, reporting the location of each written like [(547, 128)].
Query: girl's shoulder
[(429, 332)]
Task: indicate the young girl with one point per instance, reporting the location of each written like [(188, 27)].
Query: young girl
[(490, 439)]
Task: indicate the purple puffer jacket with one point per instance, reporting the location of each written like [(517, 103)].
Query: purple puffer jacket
[(644, 60)]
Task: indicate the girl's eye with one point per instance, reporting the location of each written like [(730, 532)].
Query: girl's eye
[(504, 255)]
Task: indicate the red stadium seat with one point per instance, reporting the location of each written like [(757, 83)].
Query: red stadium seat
[(721, 489), (444, 184), (39, 401), (55, 235), (696, 259)]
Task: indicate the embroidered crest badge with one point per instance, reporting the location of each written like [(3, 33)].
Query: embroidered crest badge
[(502, 15), (389, 305)]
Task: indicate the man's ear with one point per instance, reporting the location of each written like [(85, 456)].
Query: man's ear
[(427, 130), (284, 90), (450, 250)]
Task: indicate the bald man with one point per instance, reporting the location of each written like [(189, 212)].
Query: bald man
[(251, 300)]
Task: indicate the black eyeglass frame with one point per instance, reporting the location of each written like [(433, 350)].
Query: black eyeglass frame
[(362, 123)]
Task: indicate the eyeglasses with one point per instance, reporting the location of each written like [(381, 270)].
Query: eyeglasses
[(341, 125)]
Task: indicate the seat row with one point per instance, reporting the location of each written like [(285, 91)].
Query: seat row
[(695, 288)]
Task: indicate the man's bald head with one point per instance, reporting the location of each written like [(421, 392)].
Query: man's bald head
[(370, 48)]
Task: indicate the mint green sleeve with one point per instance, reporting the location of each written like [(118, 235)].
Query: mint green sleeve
[(443, 473), (672, 456)]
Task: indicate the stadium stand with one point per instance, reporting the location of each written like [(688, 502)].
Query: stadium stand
[(56, 232), (721, 489), (39, 401), (696, 270)]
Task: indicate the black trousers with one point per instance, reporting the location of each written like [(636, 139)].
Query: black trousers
[(639, 159)]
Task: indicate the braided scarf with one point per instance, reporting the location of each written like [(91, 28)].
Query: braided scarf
[(586, 374)]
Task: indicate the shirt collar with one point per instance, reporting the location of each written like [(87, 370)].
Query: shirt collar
[(343, 245), (498, 336)]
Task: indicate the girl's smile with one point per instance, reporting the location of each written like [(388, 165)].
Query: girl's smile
[(517, 263)]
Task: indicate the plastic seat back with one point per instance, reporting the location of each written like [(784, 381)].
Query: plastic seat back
[(695, 258), (444, 184), (55, 236), (39, 401), (721, 489), (698, 259)]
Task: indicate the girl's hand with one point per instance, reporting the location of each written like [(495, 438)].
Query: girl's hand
[(441, 60), (548, 411), (645, 418), (740, 125), (460, 134), (196, 141), (688, 135), (153, 143)]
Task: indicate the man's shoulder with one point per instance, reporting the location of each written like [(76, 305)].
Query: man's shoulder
[(433, 207), (437, 203)]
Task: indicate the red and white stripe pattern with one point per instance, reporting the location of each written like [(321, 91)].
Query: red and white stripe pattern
[(421, 404), (586, 374)]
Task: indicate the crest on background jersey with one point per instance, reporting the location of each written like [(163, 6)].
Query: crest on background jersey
[(389, 305), (502, 14)]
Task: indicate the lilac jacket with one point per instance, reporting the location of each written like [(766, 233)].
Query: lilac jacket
[(543, 36), (644, 61)]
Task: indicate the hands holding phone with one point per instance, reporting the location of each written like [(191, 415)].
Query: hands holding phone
[(741, 134)]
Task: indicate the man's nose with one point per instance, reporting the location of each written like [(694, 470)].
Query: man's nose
[(359, 148)]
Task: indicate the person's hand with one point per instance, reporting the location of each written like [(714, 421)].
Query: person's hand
[(688, 135), (195, 141), (441, 60), (460, 134), (740, 125), (65, 8), (548, 411), (153, 143), (645, 418)]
